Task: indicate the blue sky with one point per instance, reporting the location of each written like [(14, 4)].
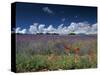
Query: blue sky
[(29, 13)]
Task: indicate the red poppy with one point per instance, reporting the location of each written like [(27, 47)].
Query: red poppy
[(66, 47), (76, 50)]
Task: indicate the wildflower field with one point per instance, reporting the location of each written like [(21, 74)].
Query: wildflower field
[(55, 52)]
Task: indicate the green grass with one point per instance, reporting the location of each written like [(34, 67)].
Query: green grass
[(50, 54), (28, 63)]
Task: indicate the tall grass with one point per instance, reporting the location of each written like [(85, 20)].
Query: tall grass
[(55, 62), (55, 53)]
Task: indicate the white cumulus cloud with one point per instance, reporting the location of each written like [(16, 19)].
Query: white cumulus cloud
[(18, 30), (78, 28), (41, 28), (50, 29), (81, 27), (33, 28)]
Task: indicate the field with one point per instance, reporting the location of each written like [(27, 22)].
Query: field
[(55, 52)]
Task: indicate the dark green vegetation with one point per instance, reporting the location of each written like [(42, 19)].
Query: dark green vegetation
[(48, 52), (72, 34)]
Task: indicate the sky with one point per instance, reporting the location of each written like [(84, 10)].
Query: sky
[(49, 18)]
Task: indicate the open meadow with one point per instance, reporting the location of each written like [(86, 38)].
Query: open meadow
[(55, 52)]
